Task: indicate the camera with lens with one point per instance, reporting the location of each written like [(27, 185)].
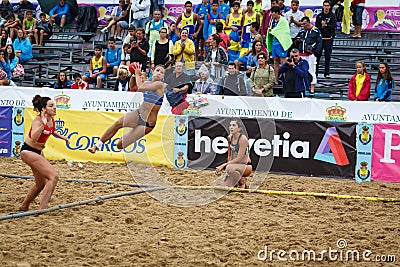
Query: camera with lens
[(290, 60)]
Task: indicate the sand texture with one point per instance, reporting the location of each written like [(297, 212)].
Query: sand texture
[(139, 230)]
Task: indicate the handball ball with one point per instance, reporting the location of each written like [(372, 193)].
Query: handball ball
[(133, 66)]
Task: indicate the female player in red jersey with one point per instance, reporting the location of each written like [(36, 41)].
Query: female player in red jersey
[(31, 152)]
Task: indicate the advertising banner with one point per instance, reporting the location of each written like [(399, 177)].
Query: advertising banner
[(307, 148), (17, 131), (5, 131), (84, 129), (180, 142), (386, 153), (215, 105), (365, 135)]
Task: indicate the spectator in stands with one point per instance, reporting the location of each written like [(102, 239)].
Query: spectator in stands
[(254, 34), (97, 68), (278, 39), (129, 37), (326, 23), (295, 75), (252, 60), (124, 81), (29, 25), (139, 49), (223, 9), (216, 58), (204, 85), (384, 84), (17, 70), (178, 86), (23, 47), (357, 7), (61, 14), (117, 14), (210, 24), (141, 13), (123, 23), (125, 56), (263, 77), (309, 42), (5, 39), (22, 7), (184, 52), (282, 7), (251, 26), (62, 81), (172, 35), (153, 28), (360, 83), (233, 84), (234, 23), (43, 30), (5, 67), (162, 49), (79, 83), (193, 24), (267, 19), (202, 10), (225, 41), (293, 17), (6, 9), (113, 57), (12, 25)]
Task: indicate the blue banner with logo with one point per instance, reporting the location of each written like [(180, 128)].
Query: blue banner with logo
[(180, 141), (18, 120), (5, 131), (365, 133)]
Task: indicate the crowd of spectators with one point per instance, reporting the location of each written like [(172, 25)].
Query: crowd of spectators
[(229, 48)]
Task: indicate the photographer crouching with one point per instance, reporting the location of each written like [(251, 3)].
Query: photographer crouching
[(295, 75)]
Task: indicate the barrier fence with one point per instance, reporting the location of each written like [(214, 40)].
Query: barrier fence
[(318, 138)]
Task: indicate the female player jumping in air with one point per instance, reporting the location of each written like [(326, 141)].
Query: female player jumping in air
[(142, 120)]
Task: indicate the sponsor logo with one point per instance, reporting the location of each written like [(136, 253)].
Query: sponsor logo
[(262, 147), (62, 101), (181, 128), (363, 173), (3, 151), (331, 149), (365, 136), (389, 145), (180, 161), (19, 118), (335, 113)]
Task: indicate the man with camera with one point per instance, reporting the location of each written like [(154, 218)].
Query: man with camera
[(295, 75), (309, 43), (139, 49)]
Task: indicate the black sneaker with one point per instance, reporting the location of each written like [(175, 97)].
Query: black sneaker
[(311, 94)]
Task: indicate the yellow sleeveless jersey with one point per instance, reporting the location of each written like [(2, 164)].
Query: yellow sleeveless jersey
[(97, 65)]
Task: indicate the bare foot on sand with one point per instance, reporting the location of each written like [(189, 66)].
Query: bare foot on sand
[(23, 208)]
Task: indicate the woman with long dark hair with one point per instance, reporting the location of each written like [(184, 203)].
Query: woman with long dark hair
[(62, 81), (384, 83), (216, 58), (5, 39), (45, 175), (238, 166)]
